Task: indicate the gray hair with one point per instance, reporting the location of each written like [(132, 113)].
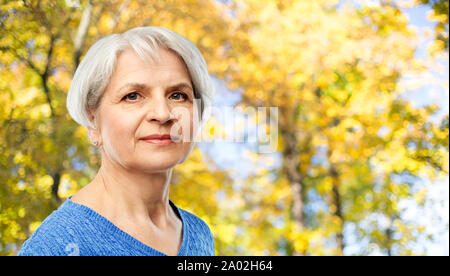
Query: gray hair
[(95, 70)]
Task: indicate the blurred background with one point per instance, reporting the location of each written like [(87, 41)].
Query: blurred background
[(362, 157)]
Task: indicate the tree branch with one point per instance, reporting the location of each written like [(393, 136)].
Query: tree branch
[(46, 74), (81, 33)]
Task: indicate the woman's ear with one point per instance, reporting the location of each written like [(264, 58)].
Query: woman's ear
[(94, 131), (94, 136)]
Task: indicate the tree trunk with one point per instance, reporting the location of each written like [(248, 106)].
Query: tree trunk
[(337, 210), (56, 181), (291, 165)]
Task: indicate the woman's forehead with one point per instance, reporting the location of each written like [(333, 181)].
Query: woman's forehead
[(168, 70)]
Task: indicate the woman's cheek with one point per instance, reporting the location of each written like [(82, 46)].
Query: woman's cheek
[(119, 127)]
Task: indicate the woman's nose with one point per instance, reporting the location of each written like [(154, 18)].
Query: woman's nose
[(158, 110)]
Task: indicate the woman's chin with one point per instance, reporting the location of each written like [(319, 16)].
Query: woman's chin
[(158, 165)]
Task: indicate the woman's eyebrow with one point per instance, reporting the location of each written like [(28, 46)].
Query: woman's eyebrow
[(133, 85), (181, 85)]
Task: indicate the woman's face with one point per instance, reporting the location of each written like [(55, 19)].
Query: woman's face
[(141, 99)]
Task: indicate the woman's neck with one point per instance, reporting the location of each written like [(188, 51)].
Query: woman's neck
[(131, 196)]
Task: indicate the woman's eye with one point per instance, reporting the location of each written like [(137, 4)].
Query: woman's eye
[(177, 96), (132, 96)]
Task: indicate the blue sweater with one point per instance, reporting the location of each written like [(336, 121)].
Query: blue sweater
[(75, 229)]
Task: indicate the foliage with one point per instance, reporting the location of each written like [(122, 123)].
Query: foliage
[(440, 14), (350, 143)]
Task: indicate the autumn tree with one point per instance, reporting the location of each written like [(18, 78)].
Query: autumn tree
[(348, 140)]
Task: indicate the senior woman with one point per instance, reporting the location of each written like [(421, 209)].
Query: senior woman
[(137, 94)]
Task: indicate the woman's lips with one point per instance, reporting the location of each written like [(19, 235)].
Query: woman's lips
[(159, 141)]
